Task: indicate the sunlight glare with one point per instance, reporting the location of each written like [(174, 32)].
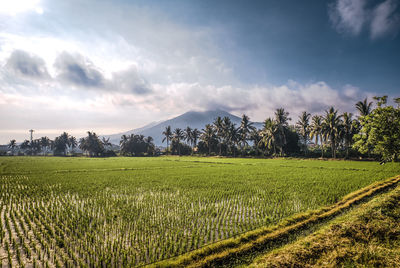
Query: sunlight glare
[(13, 7)]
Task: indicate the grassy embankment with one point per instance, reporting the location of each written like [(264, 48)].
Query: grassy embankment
[(368, 236)]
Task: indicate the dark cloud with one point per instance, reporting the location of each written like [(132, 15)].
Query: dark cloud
[(77, 70), (26, 65), (131, 81)]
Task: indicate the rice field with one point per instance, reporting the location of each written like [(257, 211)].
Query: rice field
[(65, 212)]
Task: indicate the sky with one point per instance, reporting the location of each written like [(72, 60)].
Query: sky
[(112, 66)]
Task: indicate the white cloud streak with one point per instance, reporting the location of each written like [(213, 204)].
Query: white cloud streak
[(351, 17), (385, 21)]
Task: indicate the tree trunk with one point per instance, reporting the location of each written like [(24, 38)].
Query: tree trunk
[(322, 147), (167, 145)]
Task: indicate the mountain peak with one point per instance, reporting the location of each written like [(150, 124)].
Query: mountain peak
[(192, 118)]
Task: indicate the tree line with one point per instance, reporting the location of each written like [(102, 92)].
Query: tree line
[(91, 145), (374, 132)]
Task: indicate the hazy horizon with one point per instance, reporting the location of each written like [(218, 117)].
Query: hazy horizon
[(112, 66)]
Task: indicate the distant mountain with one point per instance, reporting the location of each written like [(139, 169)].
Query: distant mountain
[(192, 119)]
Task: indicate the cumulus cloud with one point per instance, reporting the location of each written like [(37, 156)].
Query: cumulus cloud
[(25, 65), (352, 16), (258, 101), (385, 20), (130, 81), (77, 70)]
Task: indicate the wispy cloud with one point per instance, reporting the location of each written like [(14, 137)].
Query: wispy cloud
[(348, 16), (353, 16), (385, 19)]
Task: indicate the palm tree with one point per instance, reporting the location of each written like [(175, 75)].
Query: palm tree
[(64, 141), (245, 128), (233, 137), (106, 142), (188, 135), (316, 131), (178, 135), (25, 146), (72, 143), (256, 138), (168, 135), (332, 126), (12, 145), (270, 134), (150, 145), (195, 137), (303, 126), (92, 144), (219, 129), (349, 130), (208, 136), (397, 101), (45, 142), (83, 145), (364, 107), (282, 120)]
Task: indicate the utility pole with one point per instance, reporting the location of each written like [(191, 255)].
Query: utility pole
[(31, 131)]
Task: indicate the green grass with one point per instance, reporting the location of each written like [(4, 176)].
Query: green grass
[(368, 236), (133, 211)]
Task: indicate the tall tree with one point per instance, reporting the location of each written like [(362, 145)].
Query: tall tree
[(364, 107), (270, 134), (106, 142), (167, 136), (233, 138), (195, 137), (219, 131), (244, 129), (397, 101), (61, 144), (72, 143), (380, 131), (178, 136), (45, 142), (317, 131), (208, 136), (303, 127), (92, 144), (349, 129), (332, 126), (25, 145), (12, 146), (282, 121), (256, 138), (36, 146), (150, 145), (188, 135)]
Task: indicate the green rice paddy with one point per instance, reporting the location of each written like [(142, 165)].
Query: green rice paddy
[(136, 211)]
